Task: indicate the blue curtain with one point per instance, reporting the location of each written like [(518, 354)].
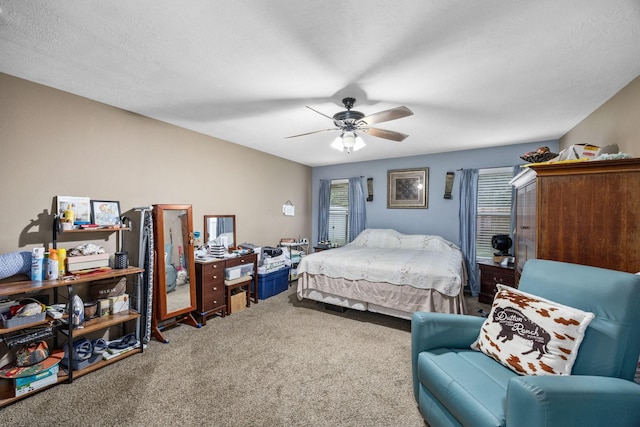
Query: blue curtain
[(357, 211), (323, 209), (512, 229), (468, 221)]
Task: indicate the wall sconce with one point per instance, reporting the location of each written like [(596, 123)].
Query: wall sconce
[(448, 185), (370, 189)]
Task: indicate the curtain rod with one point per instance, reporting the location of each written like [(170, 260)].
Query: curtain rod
[(337, 179)]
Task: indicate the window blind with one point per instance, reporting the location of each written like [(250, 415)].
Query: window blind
[(339, 212), (494, 208)]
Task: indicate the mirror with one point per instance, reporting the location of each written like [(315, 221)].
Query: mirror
[(221, 227), (174, 289)]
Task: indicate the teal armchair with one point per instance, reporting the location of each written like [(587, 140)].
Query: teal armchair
[(457, 386)]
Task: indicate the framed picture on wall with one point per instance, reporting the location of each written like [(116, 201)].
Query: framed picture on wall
[(79, 205), (104, 212), (408, 188)]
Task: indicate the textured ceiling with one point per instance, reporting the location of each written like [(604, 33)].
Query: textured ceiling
[(475, 73)]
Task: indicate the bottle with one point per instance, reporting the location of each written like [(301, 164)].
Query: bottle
[(45, 266), (62, 259), (69, 214), (53, 265), (37, 261)]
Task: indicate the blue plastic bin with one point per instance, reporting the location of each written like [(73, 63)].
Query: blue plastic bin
[(273, 283)]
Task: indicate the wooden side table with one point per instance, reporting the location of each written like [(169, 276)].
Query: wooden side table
[(491, 275)]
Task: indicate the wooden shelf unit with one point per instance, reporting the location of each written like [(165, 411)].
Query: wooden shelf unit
[(92, 325)]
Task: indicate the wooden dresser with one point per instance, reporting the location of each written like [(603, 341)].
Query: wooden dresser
[(210, 287), (584, 213), (491, 275)]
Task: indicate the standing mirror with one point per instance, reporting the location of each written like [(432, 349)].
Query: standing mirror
[(175, 288), (220, 228)]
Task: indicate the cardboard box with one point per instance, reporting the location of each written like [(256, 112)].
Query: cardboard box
[(586, 151), (25, 385), (104, 307), (238, 302), (119, 303), (84, 262)]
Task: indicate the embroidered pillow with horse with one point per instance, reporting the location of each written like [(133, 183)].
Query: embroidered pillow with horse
[(532, 335)]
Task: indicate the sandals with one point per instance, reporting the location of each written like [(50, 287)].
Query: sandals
[(82, 350), (99, 346), (128, 340)]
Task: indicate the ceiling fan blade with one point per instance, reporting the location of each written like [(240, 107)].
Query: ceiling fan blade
[(309, 133), (385, 116), (322, 114), (386, 134)]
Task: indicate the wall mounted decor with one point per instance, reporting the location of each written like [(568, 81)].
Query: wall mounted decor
[(408, 188), (448, 185), (79, 205), (369, 189), (105, 212)]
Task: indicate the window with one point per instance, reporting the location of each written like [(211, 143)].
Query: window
[(494, 208), (339, 212)]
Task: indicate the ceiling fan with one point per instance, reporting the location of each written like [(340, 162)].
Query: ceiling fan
[(350, 121)]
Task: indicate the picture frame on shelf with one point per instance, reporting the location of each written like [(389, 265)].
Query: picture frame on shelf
[(105, 212), (408, 188), (80, 205)]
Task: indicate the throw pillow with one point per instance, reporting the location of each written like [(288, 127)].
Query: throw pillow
[(532, 335)]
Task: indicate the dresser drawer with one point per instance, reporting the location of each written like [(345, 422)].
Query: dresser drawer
[(241, 260), (213, 298), (492, 275), (213, 274)]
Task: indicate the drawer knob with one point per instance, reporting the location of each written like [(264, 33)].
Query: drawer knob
[(215, 277), (214, 288)]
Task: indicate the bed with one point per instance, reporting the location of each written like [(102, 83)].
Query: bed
[(387, 272)]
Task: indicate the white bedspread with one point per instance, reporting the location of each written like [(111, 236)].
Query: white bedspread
[(421, 261)]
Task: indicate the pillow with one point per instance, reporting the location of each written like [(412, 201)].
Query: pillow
[(532, 335)]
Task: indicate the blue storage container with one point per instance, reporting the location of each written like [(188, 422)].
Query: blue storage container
[(273, 283)]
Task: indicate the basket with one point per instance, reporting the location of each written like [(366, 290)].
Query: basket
[(16, 321), (538, 157)]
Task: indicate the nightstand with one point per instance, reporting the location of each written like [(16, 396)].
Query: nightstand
[(492, 274), (321, 248)]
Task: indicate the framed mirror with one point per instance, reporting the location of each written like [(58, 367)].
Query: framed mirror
[(175, 288), (221, 228)]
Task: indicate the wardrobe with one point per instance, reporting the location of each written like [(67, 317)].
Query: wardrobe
[(579, 212)]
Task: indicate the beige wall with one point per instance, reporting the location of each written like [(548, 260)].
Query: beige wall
[(56, 143), (615, 122)]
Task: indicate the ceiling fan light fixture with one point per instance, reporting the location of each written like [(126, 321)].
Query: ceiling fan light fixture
[(337, 144), (348, 139), (348, 142), (359, 144)]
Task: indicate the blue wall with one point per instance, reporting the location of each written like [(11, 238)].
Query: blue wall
[(441, 217)]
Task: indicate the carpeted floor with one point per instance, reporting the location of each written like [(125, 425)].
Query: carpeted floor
[(281, 362)]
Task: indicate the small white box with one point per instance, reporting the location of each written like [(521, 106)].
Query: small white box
[(238, 271), (104, 307), (119, 303)]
